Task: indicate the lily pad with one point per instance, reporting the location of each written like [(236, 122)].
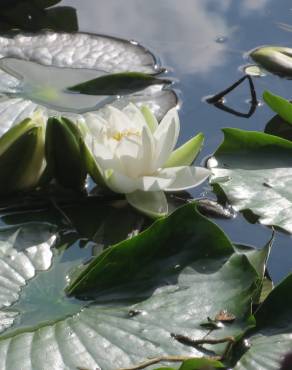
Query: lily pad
[(254, 170), (19, 265), (192, 272), (36, 70), (272, 338)]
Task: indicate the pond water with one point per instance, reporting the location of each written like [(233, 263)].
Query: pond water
[(203, 45)]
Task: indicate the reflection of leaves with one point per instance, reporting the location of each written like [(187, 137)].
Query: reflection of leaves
[(195, 273), (104, 222), (32, 15), (255, 172)]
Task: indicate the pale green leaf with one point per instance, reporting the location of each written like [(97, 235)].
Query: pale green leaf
[(151, 203), (187, 153)]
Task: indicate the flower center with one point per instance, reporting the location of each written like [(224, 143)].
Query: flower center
[(119, 135)]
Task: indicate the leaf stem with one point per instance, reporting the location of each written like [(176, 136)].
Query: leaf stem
[(156, 360)]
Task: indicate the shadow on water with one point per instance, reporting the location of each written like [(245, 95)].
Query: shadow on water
[(36, 15)]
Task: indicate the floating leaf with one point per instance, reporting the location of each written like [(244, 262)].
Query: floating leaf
[(189, 273), (271, 339), (36, 69), (17, 267), (254, 170)]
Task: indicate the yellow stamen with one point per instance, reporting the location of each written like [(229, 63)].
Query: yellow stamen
[(119, 135)]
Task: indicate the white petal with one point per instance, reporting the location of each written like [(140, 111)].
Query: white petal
[(120, 183), (135, 115), (96, 124), (117, 119), (186, 177), (155, 183), (147, 150), (129, 152), (166, 137), (104, 157), (153, 204)]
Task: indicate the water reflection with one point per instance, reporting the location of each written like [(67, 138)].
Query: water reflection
[(185, 31)]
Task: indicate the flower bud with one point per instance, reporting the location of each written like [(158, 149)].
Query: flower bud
[(63, 153), (275, 59), (22, 155)]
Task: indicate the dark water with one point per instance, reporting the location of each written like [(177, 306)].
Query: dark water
[(203, 42)]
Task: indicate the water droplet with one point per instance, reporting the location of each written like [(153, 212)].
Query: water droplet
[(221, 39), (67, 278), (177, 266), (246, 343), (212, 162)]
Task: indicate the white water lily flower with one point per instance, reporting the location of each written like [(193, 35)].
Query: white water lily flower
[(135, 156)]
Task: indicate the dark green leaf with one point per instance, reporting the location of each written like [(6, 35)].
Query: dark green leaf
[(201, 364), (279, 127), (55, 19), (118, 84), (271, 339), (122, 263), (186, 279)]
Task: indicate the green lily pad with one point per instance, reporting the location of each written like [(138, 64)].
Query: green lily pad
[(18, 264), (168, 279), (272, 338), (36, 70), (254, 170)]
